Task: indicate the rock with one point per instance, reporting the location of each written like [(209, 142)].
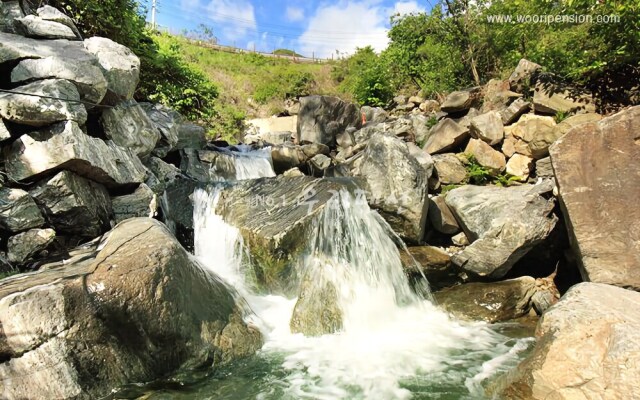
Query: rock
[(176, 203), (552, 97), (430, 106), (465, 121), (161, 174), (274, 216), (129, 126), (36, 27), (544, 138), (191, 136), (38, 111), (503, 224), (65, 146), (489, 302), (441, 217), (516, 109), (520, 79), (431, 262), (9, 12), (15, 48), (520, 166), (421, 128), (313, 149), (513, 145), (292, 106), (287, 156), (461, 100), (74, 205), (320, 163), (587, 347), (375, 115), (544, 169), (141, 203), (487, 127), (18, 211), (445, 136), (321, 118), (596, 168), (49, 13), (493, 160), (25, 245), (281, 137), (416, 100), (120, 65), (345, 139), (57, 323), (292, 172), (396, 183), (497, 96), (167, 123), (400, 100), (449, 169), (460, 240), (530, 126), (4, 132), (575, 120)]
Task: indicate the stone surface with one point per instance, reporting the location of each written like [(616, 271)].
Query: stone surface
[(516, 109), (38, 111), (120, 66), (167, 122), (497, 95), (489, 302), (9, 12), (18, 211), (82, 330), (374, 115), (15, 48), (552, 97), (587, 348), (513, 145), (129, 126), (279, 137), (141, 203), (36, 27), (441, 217), (321, 118), (4, 132), (396, 184), (160, 174), (74, 205), (449, 169), (544, 169), (49, 13), (503, 224), (544, 138), (487, 127), (520, 166), (520, 79), (445, 136), (65, 146), (461, 100), (431, 262), (530, 126), (23, 246), (320, 163), (191, 136), (596, 167), (493, 160)]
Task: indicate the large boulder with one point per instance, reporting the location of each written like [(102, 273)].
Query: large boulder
[(120, 65), (214, 166), (38, 104), (321, 118), (461, 100), (65, 146), (128, 125), (25, 245), (36, 27), (167, 122), (596, 168), (488, 127), (441, 217), (141, 203), (511, 114), (15, 48), (520, 166), (587, 348), (74, 205), (488, 157), (161, 174), (9, 12), (80, 331), (396, 182), (544, 138), (49, 13), (520, 79), (429, 262), (503, 224), (551, 96), (18, 211), (445, 136), (497, 95), (449, 169)]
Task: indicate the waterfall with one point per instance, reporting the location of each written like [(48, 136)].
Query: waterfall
[(249, 164), (393, 343)]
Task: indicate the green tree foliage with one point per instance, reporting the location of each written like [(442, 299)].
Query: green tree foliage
[(365, 75)]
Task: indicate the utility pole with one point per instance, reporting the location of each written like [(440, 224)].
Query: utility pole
[(153, 14)]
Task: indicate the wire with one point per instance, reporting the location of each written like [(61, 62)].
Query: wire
[(54, 98)]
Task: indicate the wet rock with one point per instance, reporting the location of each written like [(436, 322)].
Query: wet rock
[(461, 100), (287, 156), (141, 203), (176, 203), (503, 224), (599, 197), (520, 166), (493, 160), (74, 205), (487, 127), (120, 65), (319, 163), (64, 145), (321, 118), (129, 126), (36, 27), (88, 302), (441, 217), (445, 136), (515, 110), (431, 262), (552, 97), (24, 246), (449, 169), (586, 348), (39, 111), (280, 137), (520, 79), (489, 302), (18, 211)]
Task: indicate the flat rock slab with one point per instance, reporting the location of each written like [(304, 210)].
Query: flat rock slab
[(597, 169)]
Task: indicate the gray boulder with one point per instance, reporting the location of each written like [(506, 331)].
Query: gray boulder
[(449, 169), (35, 27), (65, 146), (167, 122), (511, 114), (103, 331), (441, 217), (18, 211), (16, 48), (24, 246), (544, 138), (321, 118), (120, 65), (445, 136), (520, 79), (32, 109), (375, 115), (319, 164), (191, 136), (596, 168), (551, 97), (128, 126), (160, 174), (487, 127), (74, 205), (49, 13), (461, 100), (9, 12), (493, 160), (503, 224), (544, 169), (141, 203)]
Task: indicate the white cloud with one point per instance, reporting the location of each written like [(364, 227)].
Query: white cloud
[(235, 17), (294, 14), (350, 24)]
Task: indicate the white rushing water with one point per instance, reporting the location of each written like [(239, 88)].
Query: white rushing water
[(394, 344)]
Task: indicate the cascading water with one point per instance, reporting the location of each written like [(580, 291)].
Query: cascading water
[(393, 344)]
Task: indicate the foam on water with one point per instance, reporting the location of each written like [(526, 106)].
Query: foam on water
[(393, 344)]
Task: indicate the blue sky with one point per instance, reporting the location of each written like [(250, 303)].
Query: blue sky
[(308, 27)]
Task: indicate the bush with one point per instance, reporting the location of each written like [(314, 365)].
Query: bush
[(285, 83), (365, 76)]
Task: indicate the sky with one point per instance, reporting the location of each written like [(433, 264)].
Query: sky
[(311, 28)]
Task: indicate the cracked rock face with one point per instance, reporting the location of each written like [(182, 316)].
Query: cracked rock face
[(80, 331)]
